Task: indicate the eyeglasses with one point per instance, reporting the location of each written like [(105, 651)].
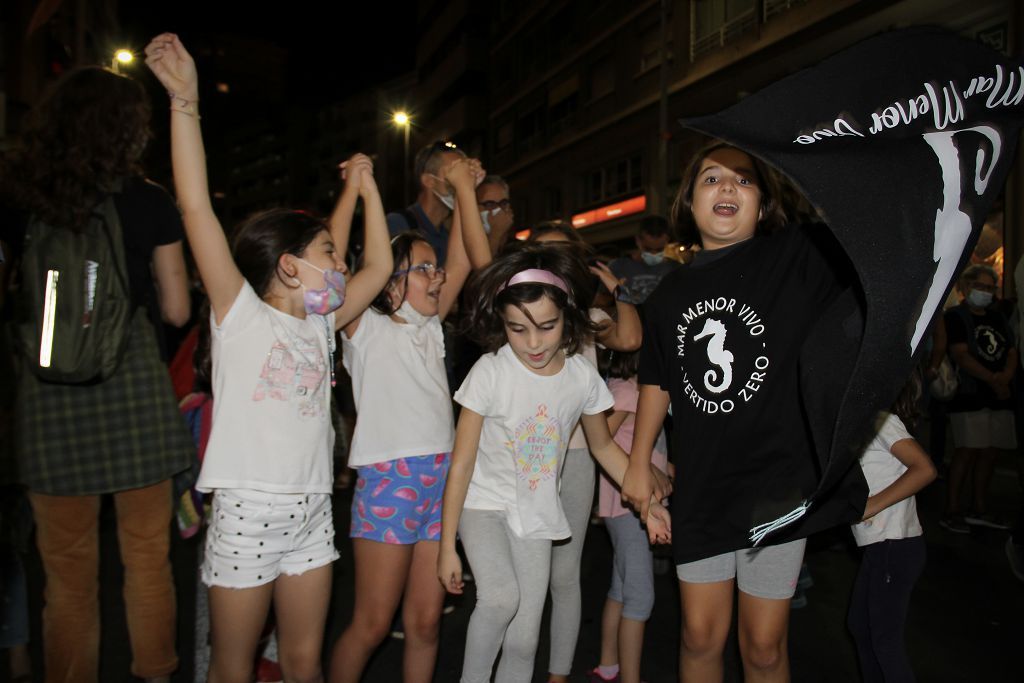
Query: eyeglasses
[(491, 205), (428, 269)]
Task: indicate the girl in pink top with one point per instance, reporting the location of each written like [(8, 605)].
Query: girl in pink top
[(631, 595)]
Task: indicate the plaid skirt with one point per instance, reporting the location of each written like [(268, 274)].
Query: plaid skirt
[(124, 433)]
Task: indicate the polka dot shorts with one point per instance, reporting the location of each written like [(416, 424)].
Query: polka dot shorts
[(255, 536)]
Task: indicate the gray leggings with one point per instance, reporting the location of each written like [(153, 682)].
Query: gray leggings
[(632, 566), (511, 575), (577, 496)]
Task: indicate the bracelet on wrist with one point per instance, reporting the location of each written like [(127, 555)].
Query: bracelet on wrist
[(184, 105)]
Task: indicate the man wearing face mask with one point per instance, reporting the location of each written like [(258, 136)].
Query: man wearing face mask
[(643, 271), (435, 201), (981, 413), (495, 210)]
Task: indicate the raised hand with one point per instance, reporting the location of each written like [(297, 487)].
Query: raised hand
[(460, 175), (357, 172), (173, 66), (478, 171), (607, 277)]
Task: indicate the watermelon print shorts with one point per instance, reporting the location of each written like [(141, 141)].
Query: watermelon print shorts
[(399, 501)]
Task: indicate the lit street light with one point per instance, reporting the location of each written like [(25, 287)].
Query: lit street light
[(401, 119), (122, 57)]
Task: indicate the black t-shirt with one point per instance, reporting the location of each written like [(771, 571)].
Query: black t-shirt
[(723, 338), (149, 218), (989, 340)]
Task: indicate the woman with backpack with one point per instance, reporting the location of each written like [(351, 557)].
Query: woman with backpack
[(108, 421)]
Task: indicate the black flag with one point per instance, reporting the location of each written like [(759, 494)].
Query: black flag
[(902, 143)]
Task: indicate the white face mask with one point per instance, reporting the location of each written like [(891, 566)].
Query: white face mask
[(411, 315), (652, 259), (979, 299), (447, 199)]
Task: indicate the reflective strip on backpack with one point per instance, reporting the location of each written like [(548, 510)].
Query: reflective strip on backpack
[(49, 312)]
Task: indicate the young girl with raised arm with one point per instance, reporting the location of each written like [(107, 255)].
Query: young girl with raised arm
[(722, 340), (896, 468), (277, 296), (519, 405), (631, 594), (403, 436)]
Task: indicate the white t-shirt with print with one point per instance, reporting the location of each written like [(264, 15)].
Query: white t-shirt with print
[(400, 389), (882, 468), (271, 411), (527, 422)]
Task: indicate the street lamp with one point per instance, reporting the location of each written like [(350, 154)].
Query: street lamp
[(401, 119), (122, 57)]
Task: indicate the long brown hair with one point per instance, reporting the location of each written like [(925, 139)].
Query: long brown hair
[(772, 215), (89, 129)]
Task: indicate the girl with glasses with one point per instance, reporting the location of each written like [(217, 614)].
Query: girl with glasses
[(403, 436)]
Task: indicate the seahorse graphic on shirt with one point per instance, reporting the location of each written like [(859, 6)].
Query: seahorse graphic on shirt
[(717, 355), (536, 445)]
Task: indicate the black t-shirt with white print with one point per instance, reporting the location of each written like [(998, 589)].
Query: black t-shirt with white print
[(989, 339), (723, 338)]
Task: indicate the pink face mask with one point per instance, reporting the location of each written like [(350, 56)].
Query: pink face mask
[(328, 299)]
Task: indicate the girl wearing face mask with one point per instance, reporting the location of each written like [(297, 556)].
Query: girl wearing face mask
[(981, 413), (403, 437), (276, 298)]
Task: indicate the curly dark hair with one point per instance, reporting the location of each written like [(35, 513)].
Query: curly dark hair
[(773, 217), (261, 240), (485, 321), (401, 253), (88, 131)]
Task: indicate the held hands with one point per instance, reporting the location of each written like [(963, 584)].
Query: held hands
[(662, 484), (357, 172), (173, 66), (659, 524), (449, 571), (637, 488), (464, 174)]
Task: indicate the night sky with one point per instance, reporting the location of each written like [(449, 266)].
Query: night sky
[(374, 40)]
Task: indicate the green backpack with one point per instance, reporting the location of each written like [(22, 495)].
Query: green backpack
[(75, 305)]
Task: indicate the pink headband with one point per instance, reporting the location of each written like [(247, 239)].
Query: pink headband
[(535, 275)]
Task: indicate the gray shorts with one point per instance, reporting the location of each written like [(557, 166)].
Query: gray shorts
[(769, 572)]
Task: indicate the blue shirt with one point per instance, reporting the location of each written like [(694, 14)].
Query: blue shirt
[(435, 235)]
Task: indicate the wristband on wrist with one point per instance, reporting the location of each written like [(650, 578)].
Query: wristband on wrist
[(183, 105)]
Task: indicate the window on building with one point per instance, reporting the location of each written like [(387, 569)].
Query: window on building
[(602, 79), (650, 47), (613, 180), (553, 201), (504, 137), (719, 22), (530, 128), (563, 101)]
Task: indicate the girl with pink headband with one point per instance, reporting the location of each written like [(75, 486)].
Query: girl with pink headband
[(520, 403)]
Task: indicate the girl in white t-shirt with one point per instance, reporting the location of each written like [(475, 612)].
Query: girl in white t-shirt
[(895, 467), (576, 492), (277, 296), (403, 436), (520, 403)]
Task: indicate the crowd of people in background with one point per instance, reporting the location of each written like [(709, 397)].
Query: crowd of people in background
[(467, 386)]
